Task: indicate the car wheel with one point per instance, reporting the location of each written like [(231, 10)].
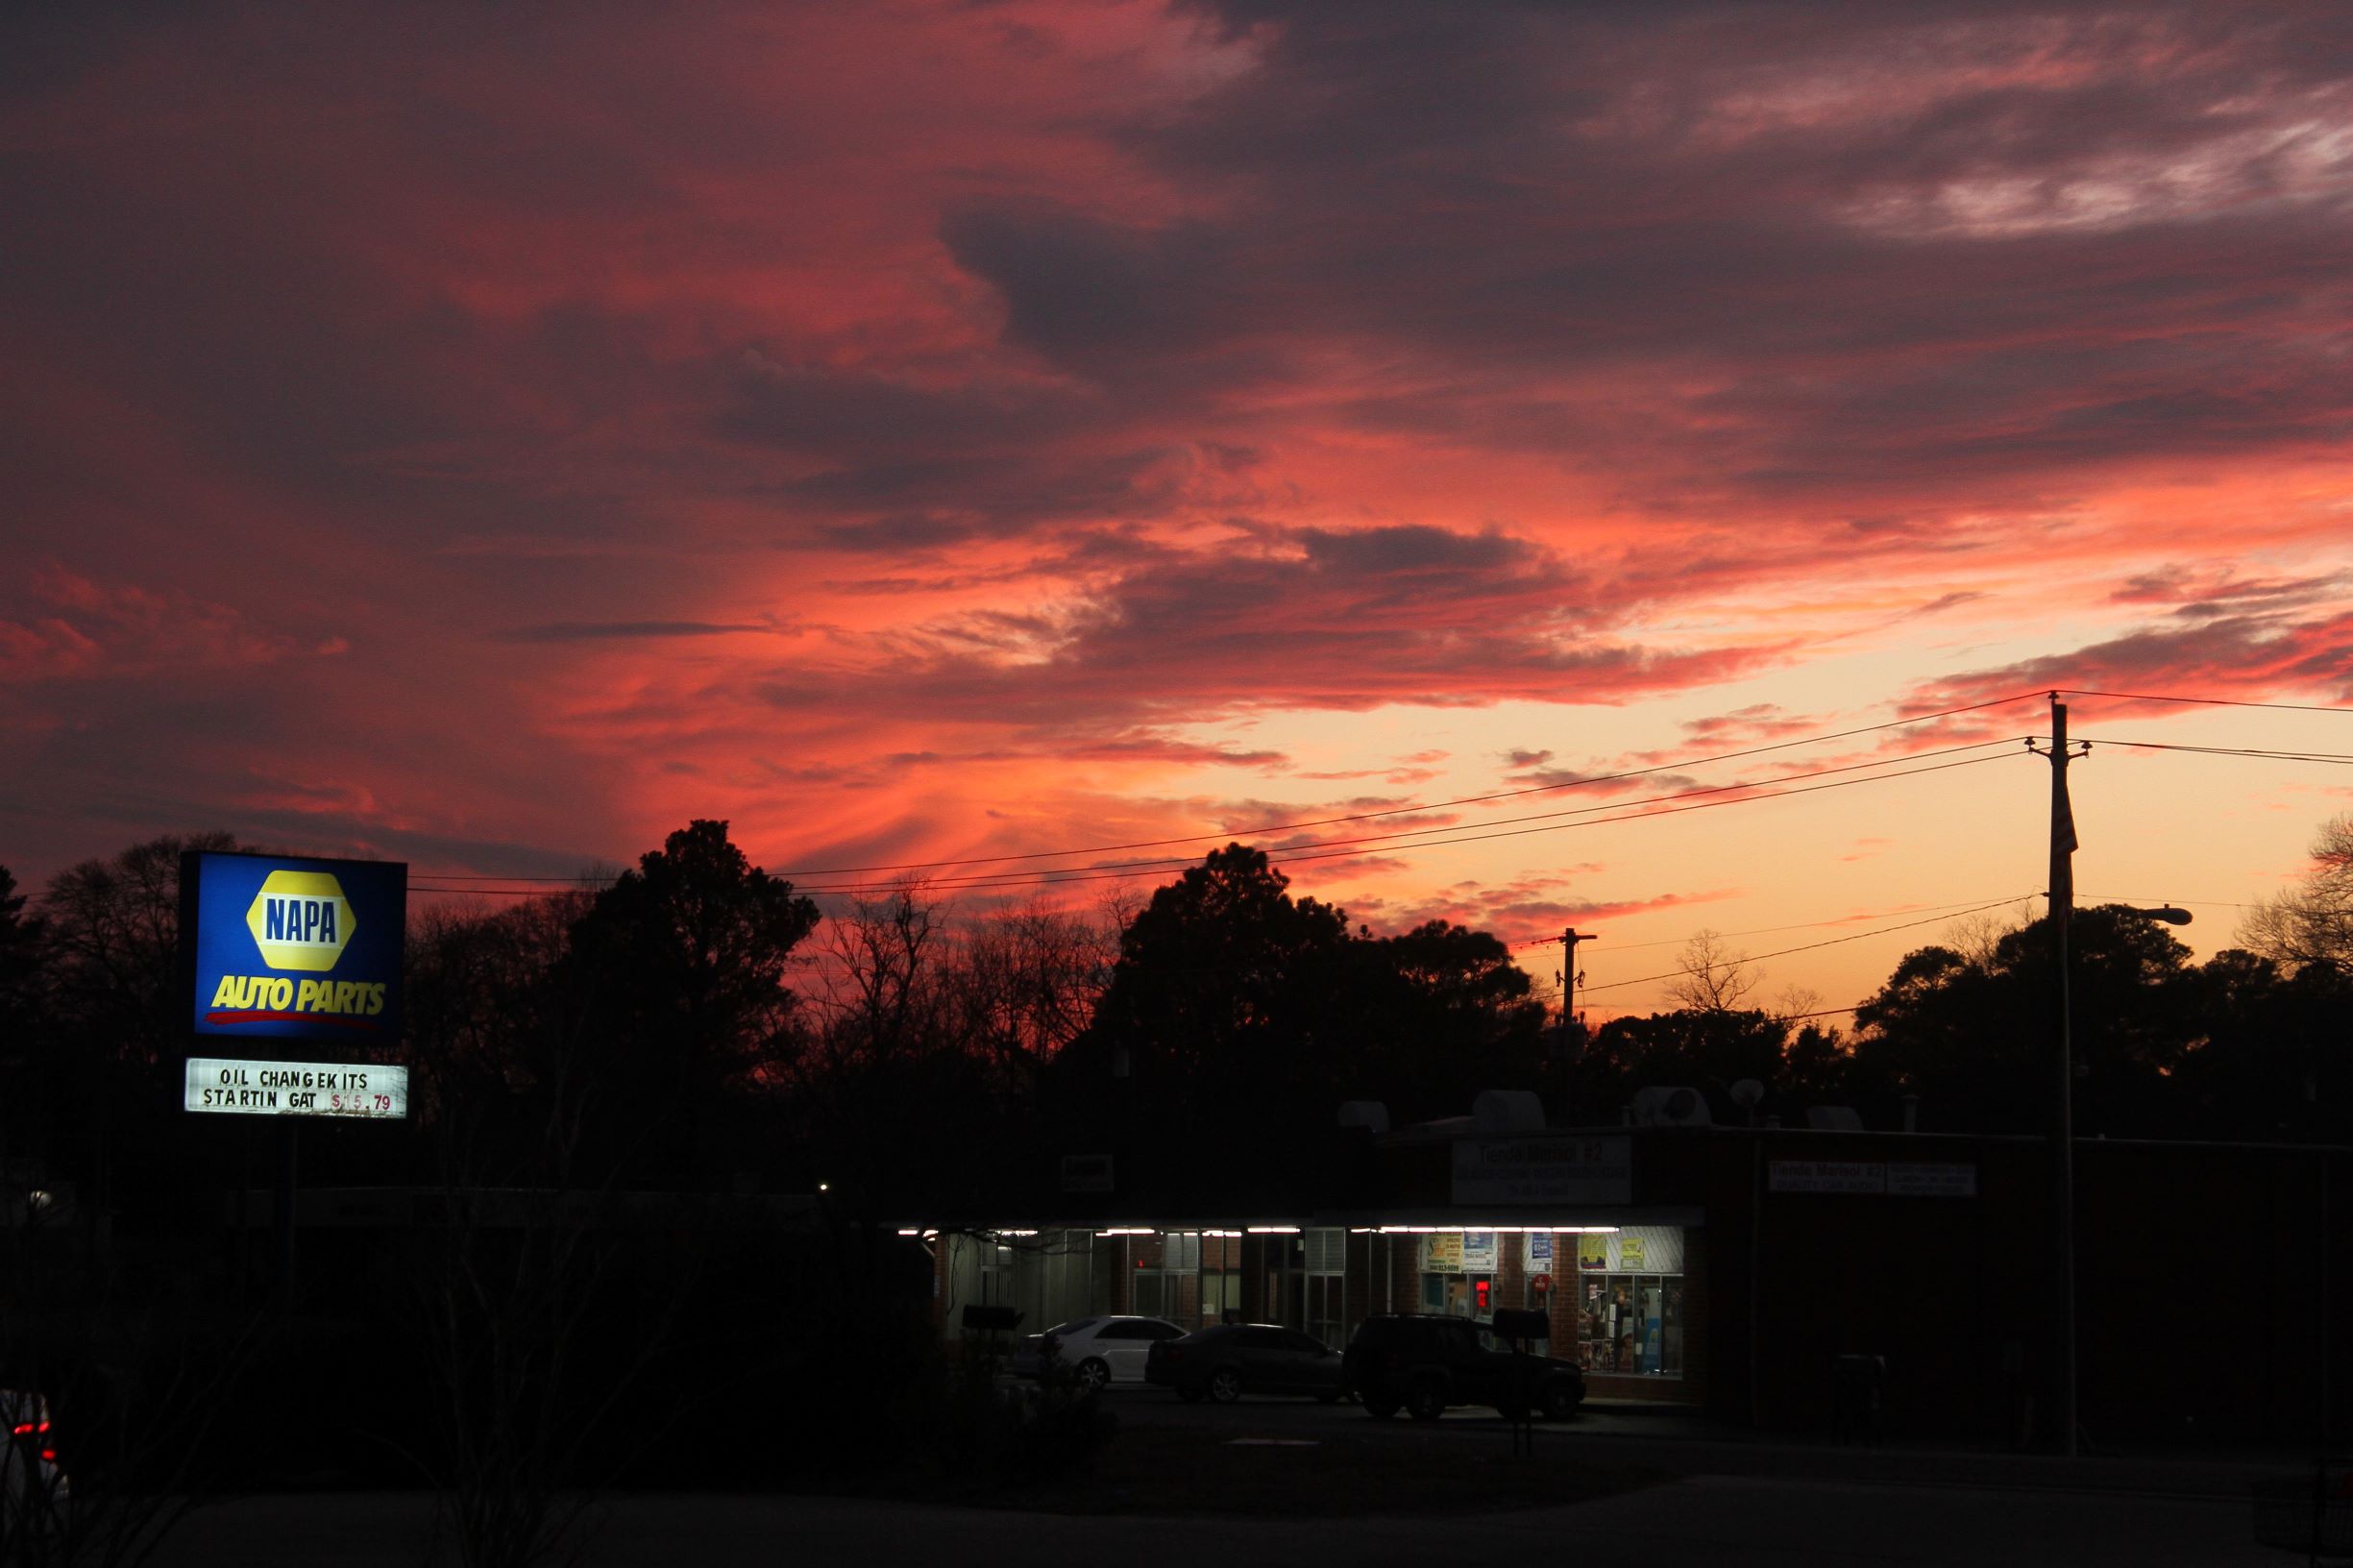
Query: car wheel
[(1381, 1409), (1559, 1401), (1225, 1385), (1092, 1373), (1426, 1400)]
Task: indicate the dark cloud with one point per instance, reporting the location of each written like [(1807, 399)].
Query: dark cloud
[(2249, 655)]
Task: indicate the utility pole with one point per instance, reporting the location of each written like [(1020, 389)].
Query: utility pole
[(2062, 897), (1569, 939), (1570, 1045)]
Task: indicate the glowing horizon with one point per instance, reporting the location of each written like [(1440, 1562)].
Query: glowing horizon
[(920, 435)]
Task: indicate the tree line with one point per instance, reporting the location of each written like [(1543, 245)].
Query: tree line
[(695, 1023)]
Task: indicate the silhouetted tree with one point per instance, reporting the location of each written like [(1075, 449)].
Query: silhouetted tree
[(1715, 979), (680, 969), (2312, 924), (1973, 1036), (1437, 1015), (116, 1021), (1225, 984), (24, 1108)]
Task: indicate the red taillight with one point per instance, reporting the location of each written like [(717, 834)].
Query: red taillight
[(29, 1427)]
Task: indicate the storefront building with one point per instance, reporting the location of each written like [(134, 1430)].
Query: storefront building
[(1545, 1222), (1733, 1268)]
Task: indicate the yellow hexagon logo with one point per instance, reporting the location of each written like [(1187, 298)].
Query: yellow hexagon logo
[(300, 920)]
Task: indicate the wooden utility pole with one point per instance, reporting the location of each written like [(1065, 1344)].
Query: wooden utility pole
[(2062, 897), (1569, 939)]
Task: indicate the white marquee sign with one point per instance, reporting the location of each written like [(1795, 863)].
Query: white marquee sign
[(369, 1091)]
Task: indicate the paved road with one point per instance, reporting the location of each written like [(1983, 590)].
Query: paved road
[(1735, 1521), (1736, 1502)]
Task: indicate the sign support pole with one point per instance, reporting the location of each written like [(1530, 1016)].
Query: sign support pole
[(282, 1205)]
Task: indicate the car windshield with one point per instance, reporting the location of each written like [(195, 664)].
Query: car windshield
[(1076, 1325)]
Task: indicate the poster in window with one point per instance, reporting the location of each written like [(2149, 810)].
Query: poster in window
[(1442, 1253), (1478, 1252), (1631, 1252), (1539, 1255), (1593, 1252)]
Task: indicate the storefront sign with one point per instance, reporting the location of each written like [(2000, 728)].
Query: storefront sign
[(283, 948), (1554, 1170), (1907, 1179), (369, 1092), (1826, 1176), (1086, 1173), (1442, 1253), (1900, 1178)]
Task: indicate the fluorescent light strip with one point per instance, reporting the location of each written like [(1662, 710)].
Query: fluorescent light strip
[(1497, 1230)]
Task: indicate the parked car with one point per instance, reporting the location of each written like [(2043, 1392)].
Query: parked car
[(1230, 1359), (1093, 1351), (33, 1491), (1421, 1363)]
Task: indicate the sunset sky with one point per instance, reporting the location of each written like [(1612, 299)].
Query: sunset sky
[(490, 437)]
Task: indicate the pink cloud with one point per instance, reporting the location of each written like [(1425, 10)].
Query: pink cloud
[(908, 431)]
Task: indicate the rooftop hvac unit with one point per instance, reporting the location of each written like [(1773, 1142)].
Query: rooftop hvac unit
[(1670, 1105), (1506, 1113)]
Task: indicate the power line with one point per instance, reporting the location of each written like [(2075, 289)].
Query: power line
[(2202, 702), (1808, 948), (1055, 877), (1264, 829), (2194, 903), (2337, 758), (1755, 931)]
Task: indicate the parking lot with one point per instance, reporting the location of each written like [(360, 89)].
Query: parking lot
[(1670, 1488)]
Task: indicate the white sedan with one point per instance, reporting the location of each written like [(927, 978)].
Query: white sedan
[(1094, 1350)]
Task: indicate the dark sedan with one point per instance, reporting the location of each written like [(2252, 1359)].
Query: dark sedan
[(1230, 1359)]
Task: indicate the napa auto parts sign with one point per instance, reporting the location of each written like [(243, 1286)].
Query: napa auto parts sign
[(286, 948)]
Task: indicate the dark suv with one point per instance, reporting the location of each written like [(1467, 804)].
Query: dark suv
[(1421, 1363)]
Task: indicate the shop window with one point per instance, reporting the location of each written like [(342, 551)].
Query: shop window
[(1460, 1295), (996, 1274), (1631, 1323), (1221, 1291)]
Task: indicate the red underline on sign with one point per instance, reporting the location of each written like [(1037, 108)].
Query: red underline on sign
[(255, 1016)]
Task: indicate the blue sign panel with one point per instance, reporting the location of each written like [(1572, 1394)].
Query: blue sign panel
[(289, 948)]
